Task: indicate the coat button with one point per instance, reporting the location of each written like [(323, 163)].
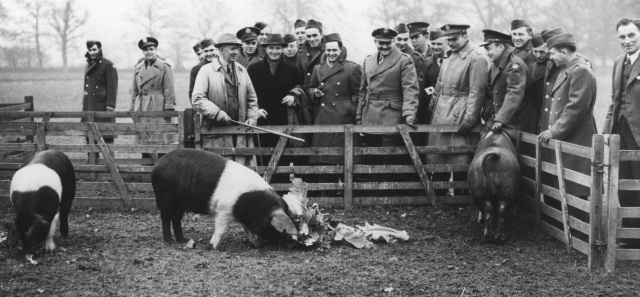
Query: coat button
[(96, 87), (87, 85), (94, 94), (338, 83), (546, 96), (321, 104), (546, 109), (86, 93), (87, 77), (336, 96), (308, 74), (547, 83)]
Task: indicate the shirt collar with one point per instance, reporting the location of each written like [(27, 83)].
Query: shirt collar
[(632, 58), (223, 63)]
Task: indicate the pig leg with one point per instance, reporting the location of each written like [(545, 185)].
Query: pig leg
[(488, 221), (222, 222), (50, 246), (165, 217), (502, 213), (64, 224), (252, 237), (176, 219), (480, 219)]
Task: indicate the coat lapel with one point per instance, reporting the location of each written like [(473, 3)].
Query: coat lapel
[(618, 77), (89, 67), (148, 73), (635, 71), (389, 61), (561, 78)]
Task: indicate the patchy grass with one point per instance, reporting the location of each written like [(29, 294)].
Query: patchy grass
[(111, 252)]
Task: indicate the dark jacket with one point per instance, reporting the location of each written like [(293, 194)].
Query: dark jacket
[(306, 62), (429, 74), (526, 54), (536, 88), (194, 74), (271, 89), (258, 56), (291, 61), (632, 94), (100, 85)]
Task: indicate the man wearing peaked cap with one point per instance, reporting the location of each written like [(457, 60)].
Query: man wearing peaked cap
[(291, 49), (251, 52), (147, 41), (537, 71), (311, 50), (521, 33), (299, 30), (388, 94), (419, 34), (512, 107), (429, 72), (265, 31), (568, 110), (402, 43), (458, 98)]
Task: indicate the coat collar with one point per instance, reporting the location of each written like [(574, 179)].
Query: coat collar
[(564, 73), (388, 61), (337, 66), (502, 64), (463, 52), (89, 62)]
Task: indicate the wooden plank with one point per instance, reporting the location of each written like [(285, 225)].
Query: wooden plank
[(628, 254), (131, 148), (106, 153), (424, 179), (538, 186), (388, 169), (144, 137), (339, 151), (557, 215), (114, 128), (578, 244), (595, 201), (626, 155), (411, 200), (570, 148), (572, 200), (563, 197), (628, 233), (628, 212), (400, 150), (188, 128), (612, 223), (407, 185), (277, 152), (628, 185), (41, 142), (83, 114), (16, 107), (91, 141), (228, 130), (348, 167), (181, 129), (197, 122)]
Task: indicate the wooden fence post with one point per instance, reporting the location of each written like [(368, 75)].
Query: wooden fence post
[(614, 204), (563, 196), (275, 157), (595, 199), (91, 118), (188, 128), (538, 199), (40, 137), (348, 167), (197, 137), (28, 99)]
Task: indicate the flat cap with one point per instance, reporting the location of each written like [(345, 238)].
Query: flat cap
[(562, 39), (248, 33), (451, 30), (260, 25), (384, 34), (288, 38), (147, 41), (550, 32), (536, 40), (418, 28), (401, 28), (299, 23), (491, 36), (314, 24), (515, 24), (228, 39), (436, 34)]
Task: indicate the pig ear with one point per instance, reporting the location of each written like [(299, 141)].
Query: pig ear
[(283, 223)]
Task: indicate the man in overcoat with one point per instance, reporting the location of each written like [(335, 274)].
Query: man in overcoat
[(100, 84), (209, 53), (521, 34), (623, 117), (429, 72), (537, 70), (458, 99), (251, 52), (300, 28), (509, 76), (291, 50), (310, 52)]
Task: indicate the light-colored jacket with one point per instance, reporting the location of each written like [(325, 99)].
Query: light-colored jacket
[(153, 88)]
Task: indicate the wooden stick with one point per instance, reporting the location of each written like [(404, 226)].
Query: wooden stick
[(595, 201), (275, 157), (424, 178), (614, 204), (267, 130), (347, 202), (563, 195)]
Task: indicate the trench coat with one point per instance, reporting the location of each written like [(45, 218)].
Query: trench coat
[(429, 72), (389, 91), (511, 104), (632, 114), (210, 96), (458, 98), (340, 84), (536, 89), (153, 90)]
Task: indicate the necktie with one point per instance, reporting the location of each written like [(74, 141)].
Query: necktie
[(380, 59), (439, 61)]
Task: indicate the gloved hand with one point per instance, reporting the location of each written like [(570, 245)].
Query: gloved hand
[(487, 125), (410, 121), (496, 128), (222, 118), (464, 129), (251, 122)]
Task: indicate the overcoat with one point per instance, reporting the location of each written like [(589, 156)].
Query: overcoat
[(511, 104), (389, 91), (536, 89), (429, 72), (632, 93), (193, 74), (306, 62), (340, 84), (210, 96), (526, 54), (458, 98), (258, 56), (100, 86)]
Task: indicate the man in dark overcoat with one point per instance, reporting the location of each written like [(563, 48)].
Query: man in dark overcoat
[(429, 72), (310, 52), (251, 51), (537, 70), (100, 84), (209, 52), (521, 33)]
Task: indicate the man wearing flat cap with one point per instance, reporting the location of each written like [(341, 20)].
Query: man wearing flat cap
[(223, 91), (209, 52), (537, 71), (312, 49), (300, 33), (569, 117), (521, 33), (251, 52), (458, 98), (153, 88), (388, 94), (100, 84), (264, 31), (291, 50), (511, 107), (429, 72)]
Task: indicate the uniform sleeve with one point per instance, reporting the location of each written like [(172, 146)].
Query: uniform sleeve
[(134, 90), (477, 89), (409, 87), (608, 120), (111, 77), (355, 78), (192, 79), (364, 86), (201, 103), (252, 99), (168, 89), (313, 84), (436, 91), (582, 89), (516, 85)]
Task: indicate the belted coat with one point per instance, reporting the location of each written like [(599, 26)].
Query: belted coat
[(153, 88)]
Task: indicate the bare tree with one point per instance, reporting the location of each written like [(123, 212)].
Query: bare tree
[(203, 23), (406, 11), (36, 14), (66, 22), (153, 17)]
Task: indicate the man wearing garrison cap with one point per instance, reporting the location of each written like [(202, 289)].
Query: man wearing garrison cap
[(458, 98), (521, 33), (198, 50), (264, 31), (251, 52), (300, 27), (536, 71), (388, 94), (429, 72), (290, 50), (209, 52), (310, 52), (512, 107), (569, 116)]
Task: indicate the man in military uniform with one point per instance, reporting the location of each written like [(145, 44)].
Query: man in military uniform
[(291, 50), (100, 84), (429, 73), (198, 50), (300, 28), (458, 99), (209, 52), (512, 107), (265, 31), (521, 33), (420, 39), (537, 70), (251, 52), (388, 93), (312, 49)]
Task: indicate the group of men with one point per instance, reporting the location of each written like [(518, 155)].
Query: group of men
[(536, 83)]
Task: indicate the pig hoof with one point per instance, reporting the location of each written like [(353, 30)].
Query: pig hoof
[(50, 247)]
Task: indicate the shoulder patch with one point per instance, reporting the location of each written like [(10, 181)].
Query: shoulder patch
[(514, 78)]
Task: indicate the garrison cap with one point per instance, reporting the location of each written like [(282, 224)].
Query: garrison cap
[(333, 37), (436, 34), (536, 40), (416, 28), (491, 36), (260, 25), (401, 28), (314, 24), (288, 38), (298, 24), (147, 41), (228, 39), (384, 34), (562, 39), (197, 47), (515, 24), (248, 33), (274, 39), (452, 30), (548, 33), (206, 43), (90, 43)]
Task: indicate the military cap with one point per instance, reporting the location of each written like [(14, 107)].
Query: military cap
[(197, 47), (288, 38), (452, 30), (147, 41), (436, 34), (515, 24), (299, 23), (491, 36), (90, 43), (401, 28), (384, 34), (206, 43), (536, 40), (248, 33), (333, 37), (274, 39), (260, 25), (548, 33), (418, 28), (562, 39), (228, 39), (314, 24)]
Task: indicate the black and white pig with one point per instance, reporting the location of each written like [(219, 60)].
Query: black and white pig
[(205, 183), (41, 192), (494, 180)]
